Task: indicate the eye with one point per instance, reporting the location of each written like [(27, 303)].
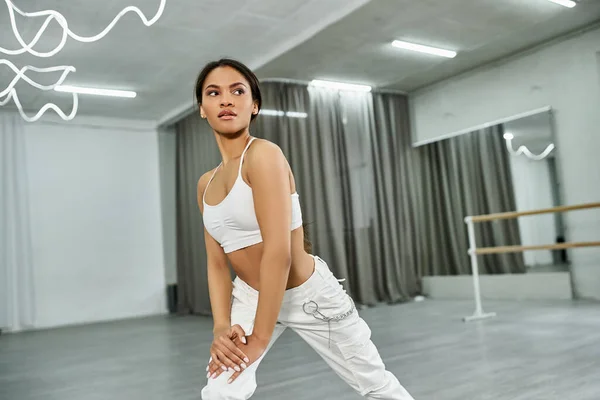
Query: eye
[(239, 91), (212, 93)]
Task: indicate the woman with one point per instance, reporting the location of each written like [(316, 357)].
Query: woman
[(252, 219)]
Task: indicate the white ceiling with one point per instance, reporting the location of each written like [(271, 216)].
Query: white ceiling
[(358, 48), (294, 39), (159, 62)]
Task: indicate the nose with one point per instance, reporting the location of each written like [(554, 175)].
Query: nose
[(226, 100)]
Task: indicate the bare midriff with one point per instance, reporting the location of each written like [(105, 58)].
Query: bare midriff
[(246, 262)]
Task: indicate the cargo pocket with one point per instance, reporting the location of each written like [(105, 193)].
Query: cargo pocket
[(362, 359)]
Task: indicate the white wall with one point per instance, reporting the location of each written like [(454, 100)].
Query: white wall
[(534, 286), (96, 220), (532, 188), (564, 76)]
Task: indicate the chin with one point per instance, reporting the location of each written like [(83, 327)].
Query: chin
[(230, 128), (231, 132)]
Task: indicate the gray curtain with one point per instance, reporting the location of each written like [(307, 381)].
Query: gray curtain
[(355, 184), (396, 187), (197, 153), (352, 182), (312, 147), (466, 175)]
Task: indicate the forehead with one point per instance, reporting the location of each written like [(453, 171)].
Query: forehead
[(224, 76)]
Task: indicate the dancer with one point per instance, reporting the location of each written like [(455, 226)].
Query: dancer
[(253, 220)]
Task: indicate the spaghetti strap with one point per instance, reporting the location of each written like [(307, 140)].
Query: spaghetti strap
[(210, 180), (242, 158)]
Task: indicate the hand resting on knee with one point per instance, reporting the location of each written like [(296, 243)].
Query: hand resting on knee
[(225, 351), (251, 348)]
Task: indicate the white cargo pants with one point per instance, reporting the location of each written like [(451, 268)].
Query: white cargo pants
[(324, 316)]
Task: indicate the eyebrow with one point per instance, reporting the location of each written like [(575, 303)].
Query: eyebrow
[(218, 87)]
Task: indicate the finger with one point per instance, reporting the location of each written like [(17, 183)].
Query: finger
[(238, 343), (213, 368), (234, 377), (226, 362), (212, 365), (239, 333), (230, 350), (217, 361), (234, 353), (215, 371)]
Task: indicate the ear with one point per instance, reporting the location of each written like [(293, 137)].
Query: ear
[(255, 108), (202, 113)]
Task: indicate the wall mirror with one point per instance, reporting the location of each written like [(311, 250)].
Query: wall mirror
[(504, 166), (531, 144)]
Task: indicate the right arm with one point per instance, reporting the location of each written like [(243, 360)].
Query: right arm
[(220, 289), (219, 284), (219, 277)]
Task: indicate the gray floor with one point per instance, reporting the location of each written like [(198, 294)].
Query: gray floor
[(530, 351), (559, 267)]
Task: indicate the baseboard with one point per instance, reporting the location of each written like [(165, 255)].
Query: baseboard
[(530, 286), (41, 328)]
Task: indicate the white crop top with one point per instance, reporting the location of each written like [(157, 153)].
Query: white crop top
[(232, 222)]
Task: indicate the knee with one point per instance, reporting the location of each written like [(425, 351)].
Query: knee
[(219, 389)]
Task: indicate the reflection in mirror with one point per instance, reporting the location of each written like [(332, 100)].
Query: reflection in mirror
[(531, 144), (507, 167)]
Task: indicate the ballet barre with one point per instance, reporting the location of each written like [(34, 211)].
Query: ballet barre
[(474, 251)]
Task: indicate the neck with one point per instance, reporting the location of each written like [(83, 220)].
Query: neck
[(232, 147)]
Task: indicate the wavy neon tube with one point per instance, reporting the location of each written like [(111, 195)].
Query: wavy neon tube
[(11, 93), (527, 152), (55, 15), (20, 75)]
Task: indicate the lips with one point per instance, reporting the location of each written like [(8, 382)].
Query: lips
[(227, 114)]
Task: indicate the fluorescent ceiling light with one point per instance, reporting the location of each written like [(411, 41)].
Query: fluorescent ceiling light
[(98, 92), (291, 114), (340, 85), (566, 3), (423, 49), (272, 113), (295, 114)]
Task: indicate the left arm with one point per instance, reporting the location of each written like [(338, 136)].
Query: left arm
[(269, 177)]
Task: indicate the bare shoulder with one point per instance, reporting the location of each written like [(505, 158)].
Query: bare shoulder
[(266, 152), (267, 163), (202, 183), (264, 147)]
